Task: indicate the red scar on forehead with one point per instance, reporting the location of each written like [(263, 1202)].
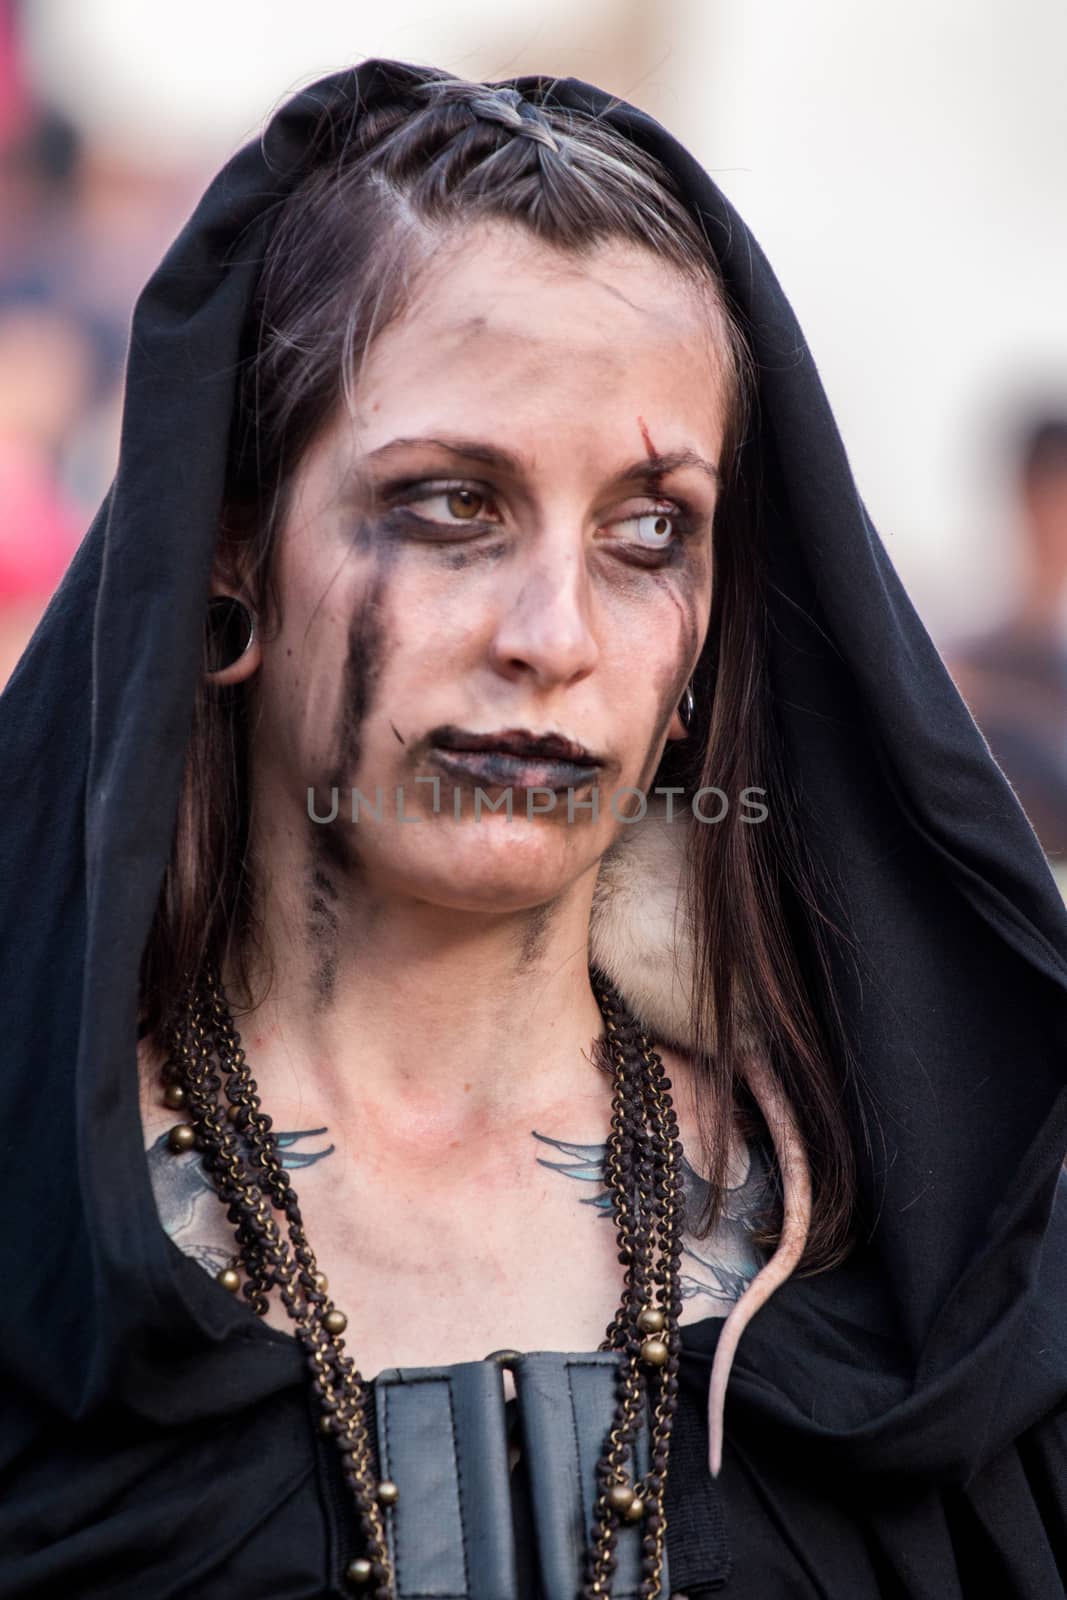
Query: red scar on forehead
[(650, 449)]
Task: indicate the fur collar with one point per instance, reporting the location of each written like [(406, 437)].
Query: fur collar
[(642, 925)]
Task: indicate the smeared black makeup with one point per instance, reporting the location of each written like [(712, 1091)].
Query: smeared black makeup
[(457, 546), (322, 923), (653, 755), (334, 856), (687, 603), (396, 525), (535, 933), (363, 664), (457, 558), (392, 503)]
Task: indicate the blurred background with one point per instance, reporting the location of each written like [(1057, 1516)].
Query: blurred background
[(904, 167)]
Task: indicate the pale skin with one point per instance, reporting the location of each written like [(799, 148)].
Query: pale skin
[(552, 426)]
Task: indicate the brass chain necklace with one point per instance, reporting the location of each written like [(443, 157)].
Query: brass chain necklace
[(642, 1174)]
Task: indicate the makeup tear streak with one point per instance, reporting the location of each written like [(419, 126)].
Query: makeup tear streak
[(535, 933), (366, 641), (333, 851), (322, 924)]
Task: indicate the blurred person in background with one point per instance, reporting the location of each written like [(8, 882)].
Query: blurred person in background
[(47, 377), (46, 358), (78, 226), (1014, 675)]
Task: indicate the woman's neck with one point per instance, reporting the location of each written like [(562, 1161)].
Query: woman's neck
[(429, 1022)]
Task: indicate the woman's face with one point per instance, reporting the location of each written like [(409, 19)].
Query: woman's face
[(510, 538)]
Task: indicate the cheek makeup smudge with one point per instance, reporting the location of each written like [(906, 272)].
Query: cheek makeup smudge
[(674, 695), (685, 599), (332, 852), (458, 557), (363, 664), (399, 528)]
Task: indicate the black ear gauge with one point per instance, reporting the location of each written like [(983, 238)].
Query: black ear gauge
[(230, 627)]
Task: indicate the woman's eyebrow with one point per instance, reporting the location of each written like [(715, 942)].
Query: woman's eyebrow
[(642, 468)]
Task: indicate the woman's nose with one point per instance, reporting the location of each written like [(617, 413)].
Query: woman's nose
[(546, 626)]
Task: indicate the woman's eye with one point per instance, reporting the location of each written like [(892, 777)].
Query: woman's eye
[(454, 503), (656, 529)]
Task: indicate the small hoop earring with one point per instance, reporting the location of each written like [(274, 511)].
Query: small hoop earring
[(686, 707), (230, 630)]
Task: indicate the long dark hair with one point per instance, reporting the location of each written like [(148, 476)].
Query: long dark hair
[(344, 255)]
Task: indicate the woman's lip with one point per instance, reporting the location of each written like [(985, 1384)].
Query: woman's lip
[(490, 769), (517, 742)]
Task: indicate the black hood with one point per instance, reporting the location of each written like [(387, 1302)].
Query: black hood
[(941, 1337)]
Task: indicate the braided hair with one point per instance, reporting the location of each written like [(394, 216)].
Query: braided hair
[(382, 198)]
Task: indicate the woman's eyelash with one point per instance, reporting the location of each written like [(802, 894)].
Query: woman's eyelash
[(408, 490), (686, 521)]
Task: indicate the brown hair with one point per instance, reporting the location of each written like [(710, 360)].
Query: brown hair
[(343, 256)]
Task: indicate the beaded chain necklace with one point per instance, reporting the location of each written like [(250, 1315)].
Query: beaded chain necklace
[(643, 1176)]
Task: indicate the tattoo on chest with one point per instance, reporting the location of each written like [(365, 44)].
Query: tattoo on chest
[(716, 1269), (188, 1205)]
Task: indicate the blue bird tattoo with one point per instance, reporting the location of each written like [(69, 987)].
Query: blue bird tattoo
[(717, 1268)]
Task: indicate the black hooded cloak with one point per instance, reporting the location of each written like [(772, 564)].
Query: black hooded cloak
[(895, 1427)]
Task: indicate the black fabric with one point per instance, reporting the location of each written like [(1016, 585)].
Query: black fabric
[(894, 1427), (522, 1521), (698, 1543)]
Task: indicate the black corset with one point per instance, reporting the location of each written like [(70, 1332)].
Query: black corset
[(496, 1497)]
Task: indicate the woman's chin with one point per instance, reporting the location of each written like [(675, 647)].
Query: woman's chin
[(492, 865)]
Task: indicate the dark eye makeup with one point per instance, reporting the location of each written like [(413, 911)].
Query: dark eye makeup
[(469, 508)]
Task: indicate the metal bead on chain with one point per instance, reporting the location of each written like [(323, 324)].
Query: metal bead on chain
[(205, 1031), (643, 1176), (642, 1169)]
